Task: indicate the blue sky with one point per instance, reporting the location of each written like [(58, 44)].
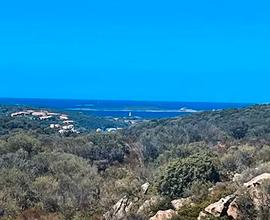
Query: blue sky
[(136, 50)]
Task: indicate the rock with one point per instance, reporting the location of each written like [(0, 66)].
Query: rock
[(234, 211), (119, 210), (145, 188), (220, 208), (180, 203), (203, 216), (256, 192), (257, 180), (146, 207), (164, 215)]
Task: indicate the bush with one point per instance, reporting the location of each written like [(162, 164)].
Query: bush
[(180, 174), (71, 184), (199, 190), (15, 193), (238, 159), (263, 154)]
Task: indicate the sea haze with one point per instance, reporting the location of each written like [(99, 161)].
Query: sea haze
[(143, 109)]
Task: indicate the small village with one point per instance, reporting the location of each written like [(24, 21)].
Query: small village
[(64, 123)]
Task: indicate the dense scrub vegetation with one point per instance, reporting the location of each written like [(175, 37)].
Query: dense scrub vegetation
[(82, 176), (181, 173)]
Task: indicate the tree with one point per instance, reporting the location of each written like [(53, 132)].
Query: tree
[(22, 141)]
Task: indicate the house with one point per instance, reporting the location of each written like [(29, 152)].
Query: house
[(39, 114), (99, 130), (62, 131), (68, 127), (63, 117), (18, 114), (52, 113), (68, 122), (111, 129), (55, 126), (45, 117)]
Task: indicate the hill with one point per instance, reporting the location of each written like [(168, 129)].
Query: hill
[(180, 167)]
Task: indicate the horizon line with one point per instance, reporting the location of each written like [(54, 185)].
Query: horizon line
[(126, 100)]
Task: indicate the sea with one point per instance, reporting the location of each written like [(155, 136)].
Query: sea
[(121, 109)]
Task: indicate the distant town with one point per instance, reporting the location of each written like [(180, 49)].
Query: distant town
[(63, 124)]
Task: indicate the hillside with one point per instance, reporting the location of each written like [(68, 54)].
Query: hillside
[(217, 128), (15, 118), (176, 168)]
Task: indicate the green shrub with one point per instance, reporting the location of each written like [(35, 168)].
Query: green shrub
[(199, 190), (180, 174)]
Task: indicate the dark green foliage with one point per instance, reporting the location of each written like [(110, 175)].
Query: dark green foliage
[(180, 174), (239, 130)]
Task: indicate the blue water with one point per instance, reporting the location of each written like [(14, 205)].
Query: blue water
[(143, 109)]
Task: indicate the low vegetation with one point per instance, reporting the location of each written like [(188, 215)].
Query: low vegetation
[(81, 176)]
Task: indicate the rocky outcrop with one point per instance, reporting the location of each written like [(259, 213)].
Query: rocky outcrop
[(164, 215), (234, 211), (119, 210), (230, 205), (257, 180), (220, 208), (255, 190), (180, 203)]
